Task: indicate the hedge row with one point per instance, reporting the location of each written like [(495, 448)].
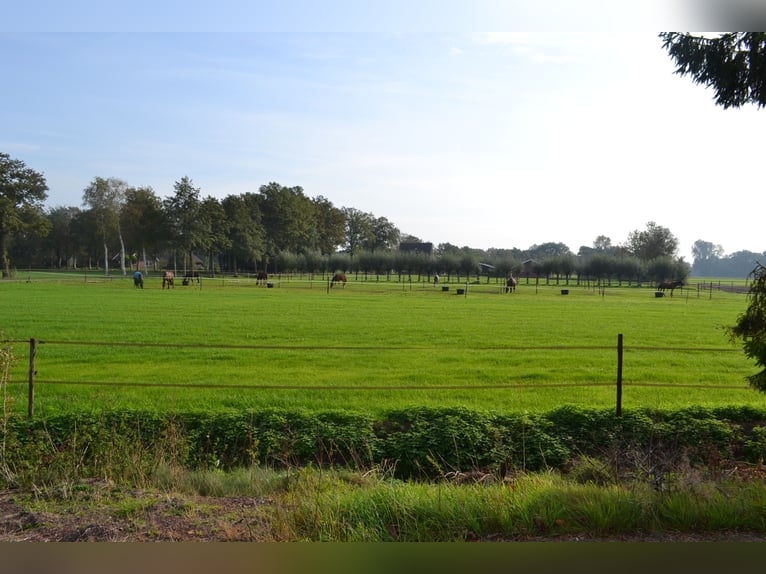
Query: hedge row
[(415, 443)]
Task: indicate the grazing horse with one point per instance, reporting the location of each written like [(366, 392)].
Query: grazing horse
[(167, 279), (189, 276), (338, 278), (510, 285), (138, 280), (671, 285), (261, 277)]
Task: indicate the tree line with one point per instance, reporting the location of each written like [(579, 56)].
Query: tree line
[(278, 229), (123, 226), (710, 261)]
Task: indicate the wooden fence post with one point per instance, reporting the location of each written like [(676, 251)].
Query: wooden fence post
[(32, 371), (619, 375)]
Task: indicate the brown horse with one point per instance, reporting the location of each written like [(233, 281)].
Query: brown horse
[(261, 277), (189, 276), (510, 285), (338, 278), (670, 285), (167, 279)]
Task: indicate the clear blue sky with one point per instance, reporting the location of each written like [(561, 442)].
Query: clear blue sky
[(413, 111)]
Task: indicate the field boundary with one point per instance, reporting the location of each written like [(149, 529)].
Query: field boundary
[(372, 347), (619, 348)]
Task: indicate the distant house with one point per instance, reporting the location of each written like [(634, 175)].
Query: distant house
[(417, 247)]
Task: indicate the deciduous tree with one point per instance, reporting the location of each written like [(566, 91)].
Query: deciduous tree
[(289, 218), (143, 221), (331, 225), (61, 242), (359, 229), (105, 197), (22, 193), (654, 241), (248, 242)]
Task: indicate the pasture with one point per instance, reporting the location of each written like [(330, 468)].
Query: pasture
[(370, 346)]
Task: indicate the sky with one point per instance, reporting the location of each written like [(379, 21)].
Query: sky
[(485, 124)]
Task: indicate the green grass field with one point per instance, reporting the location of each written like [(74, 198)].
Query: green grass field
[(373, 346)]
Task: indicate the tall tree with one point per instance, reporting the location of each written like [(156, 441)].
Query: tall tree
[(654, 241), (61, 242), (216, 226), (288, 218), (182, 212), (602, 243), (331, 225), (549, 249), (359, 230), (248, 243), (385, 235), (22, 193), (143, 221), (733, 64), (85, 234), (704, 250), (104, 197)]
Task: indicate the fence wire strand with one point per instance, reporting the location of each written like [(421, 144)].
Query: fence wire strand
[(347, 348)]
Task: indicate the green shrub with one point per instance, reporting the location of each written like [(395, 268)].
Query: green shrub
[(754, 446), (433, 442), (528, 443), (419, 442)]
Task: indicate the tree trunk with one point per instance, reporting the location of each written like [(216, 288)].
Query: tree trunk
[(4, 255), (106, 260), (122, 255)]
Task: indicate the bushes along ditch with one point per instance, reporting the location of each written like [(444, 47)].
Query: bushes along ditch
[(417, 443)]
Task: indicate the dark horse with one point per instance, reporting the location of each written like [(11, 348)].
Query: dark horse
[(167, 279), (189, 276), (510, 285), (338, 278), (261, 277), (671, 285)]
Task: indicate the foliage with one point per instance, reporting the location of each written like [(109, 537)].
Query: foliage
[(22, 193), (705, 250), (143, 221), (653, 242), (537, 506), (365, 232), (666, 268), (289, 218), (737, 264), (420, 443), (751, 326), (185, 226), (279, 229), (246, 233), (330, 226), (105, 197), (733, 64)]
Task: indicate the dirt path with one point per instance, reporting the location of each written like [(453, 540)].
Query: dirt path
[(131, 517)]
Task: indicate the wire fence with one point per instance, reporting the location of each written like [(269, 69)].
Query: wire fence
[(618, 349)]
